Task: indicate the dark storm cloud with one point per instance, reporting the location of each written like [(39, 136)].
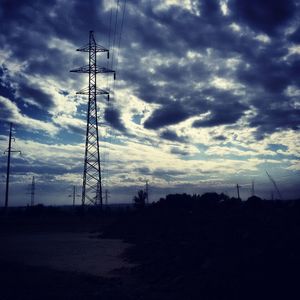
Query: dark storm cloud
[(264, 70), (29, 27), (168, 115), (22, 167), (149, 92), (267, 16), (276, 147), (220, 138), (295, 36), (38, 20), (49, 64), (112, 117), (6, 89), (36, 95), (222, 115), (269, 76), (269, 120), (190, 31), (168, 34), (224, 107), (143, 170), (178, 78), (267, 69), (176, 150), (172, 136), (76, 129), (165, 173)]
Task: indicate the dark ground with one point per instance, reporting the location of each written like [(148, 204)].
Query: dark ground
[(185, 247), (22, 281), (35, 283)]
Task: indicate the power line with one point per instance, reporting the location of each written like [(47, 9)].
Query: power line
[(109, 35), (115, 34), (120, 35), (120, 38), (115, 53), (109, 32)]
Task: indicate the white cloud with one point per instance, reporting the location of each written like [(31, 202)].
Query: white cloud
[(263, 38), (225, 83)]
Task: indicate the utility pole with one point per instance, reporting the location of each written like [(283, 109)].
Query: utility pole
[(147, 192), (9, 151), (74, 195), (32, 191), (252, 189), (238, 191), (92, 168)]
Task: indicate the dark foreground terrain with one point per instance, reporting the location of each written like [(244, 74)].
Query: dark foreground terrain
[(207, 247), (212, 247), (50, 253)]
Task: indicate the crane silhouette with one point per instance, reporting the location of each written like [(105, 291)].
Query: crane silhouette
[(275, 185)]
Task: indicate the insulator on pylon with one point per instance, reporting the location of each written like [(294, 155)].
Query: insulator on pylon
[(108, 97), (108, 54), (114, 75)]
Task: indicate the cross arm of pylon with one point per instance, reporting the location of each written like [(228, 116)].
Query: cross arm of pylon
[(86, 69), (85, 91), (98, 48), (12, 151)]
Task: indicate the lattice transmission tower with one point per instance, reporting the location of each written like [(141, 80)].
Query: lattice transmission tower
[(9, 151), (92, 186), (32, 191)]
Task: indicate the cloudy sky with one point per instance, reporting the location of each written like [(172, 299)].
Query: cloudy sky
[(207, 95)]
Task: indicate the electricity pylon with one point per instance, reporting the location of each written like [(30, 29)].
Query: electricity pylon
[(147, 192), (252, 189), (238, 190), (9, 151), (92, 187), (32, 191), (106, 197), (74, 195)]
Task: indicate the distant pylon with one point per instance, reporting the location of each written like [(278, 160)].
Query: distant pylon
[(74, 195), (238, 191), (32, 191), (9, 151), (252, 189), (147, 192), (92, 187), (106, 197)]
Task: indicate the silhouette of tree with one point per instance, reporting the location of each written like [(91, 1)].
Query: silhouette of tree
[(140, 200)]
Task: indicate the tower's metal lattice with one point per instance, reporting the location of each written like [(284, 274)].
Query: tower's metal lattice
[(92, 187)]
